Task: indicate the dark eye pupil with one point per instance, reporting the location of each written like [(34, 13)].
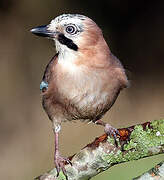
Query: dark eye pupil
[(70, 29)]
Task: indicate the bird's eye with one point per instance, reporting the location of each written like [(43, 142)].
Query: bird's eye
[(71, 29)]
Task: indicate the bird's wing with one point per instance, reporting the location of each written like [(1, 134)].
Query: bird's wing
[(48, 70)]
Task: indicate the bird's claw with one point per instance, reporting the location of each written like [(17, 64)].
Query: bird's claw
[(111, 131), (60, 165)]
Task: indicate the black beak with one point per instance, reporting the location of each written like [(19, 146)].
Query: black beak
[(43, 31)]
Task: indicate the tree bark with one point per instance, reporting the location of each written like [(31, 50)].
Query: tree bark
[(134, 143)]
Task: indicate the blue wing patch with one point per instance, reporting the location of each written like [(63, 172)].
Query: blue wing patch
[(43, 85)]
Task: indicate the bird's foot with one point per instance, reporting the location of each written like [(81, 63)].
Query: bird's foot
[(111, 131), (60, 163)]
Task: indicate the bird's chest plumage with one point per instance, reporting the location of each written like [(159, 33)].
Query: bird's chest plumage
[(77, 93), (82, 88)]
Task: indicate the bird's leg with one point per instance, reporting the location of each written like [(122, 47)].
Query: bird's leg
[(109, 130), (58, 159)]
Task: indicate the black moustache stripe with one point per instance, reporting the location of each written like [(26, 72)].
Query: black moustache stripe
[(68, 42)]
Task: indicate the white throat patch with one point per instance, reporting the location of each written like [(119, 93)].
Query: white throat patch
[(66, 57)]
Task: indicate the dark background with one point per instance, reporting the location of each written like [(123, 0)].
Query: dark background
[(134, 31)]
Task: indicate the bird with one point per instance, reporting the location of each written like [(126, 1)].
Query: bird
[(83, 80)]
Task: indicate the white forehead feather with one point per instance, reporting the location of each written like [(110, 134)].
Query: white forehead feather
[(68, 17), (65, 19)]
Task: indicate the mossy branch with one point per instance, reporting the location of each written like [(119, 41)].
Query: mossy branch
[(134, 143)]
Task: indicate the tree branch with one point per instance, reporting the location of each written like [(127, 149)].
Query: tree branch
[(134, 143)]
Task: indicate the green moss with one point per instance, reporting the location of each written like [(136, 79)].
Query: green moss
[(141, 143), (111, 140), (158, 126), (61, 176)]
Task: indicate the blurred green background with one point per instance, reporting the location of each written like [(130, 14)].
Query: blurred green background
[(134, 31)]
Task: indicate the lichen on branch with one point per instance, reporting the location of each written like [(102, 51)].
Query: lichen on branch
[(134, 143)]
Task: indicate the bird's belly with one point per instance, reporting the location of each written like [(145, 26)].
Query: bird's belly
[(91, 100), (92, 105), (86, 102), (80, 96)]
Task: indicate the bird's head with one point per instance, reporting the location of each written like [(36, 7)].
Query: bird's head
[(73, 33)]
